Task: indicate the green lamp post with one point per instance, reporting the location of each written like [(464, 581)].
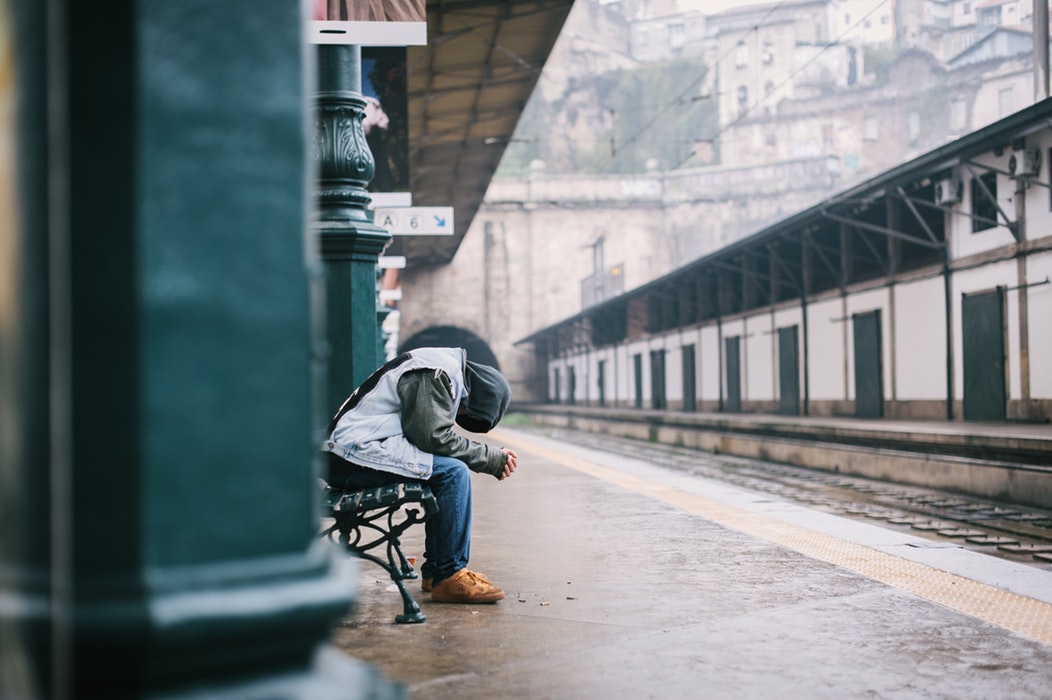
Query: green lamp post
[(349, 242)]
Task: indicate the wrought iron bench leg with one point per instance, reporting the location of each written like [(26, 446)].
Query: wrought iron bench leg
[(407, 569), (410, 610), (401, 570)]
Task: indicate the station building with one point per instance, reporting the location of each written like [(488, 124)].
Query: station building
[(922, 293)]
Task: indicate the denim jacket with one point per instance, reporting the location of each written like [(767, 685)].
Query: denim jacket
[(369, 430)]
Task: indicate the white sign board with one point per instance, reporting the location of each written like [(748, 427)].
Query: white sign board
[(368, 33), (415, 221)]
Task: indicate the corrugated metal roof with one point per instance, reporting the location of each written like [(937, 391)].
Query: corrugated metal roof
[(467, 88)]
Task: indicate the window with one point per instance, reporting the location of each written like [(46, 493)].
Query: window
[(984, 206), (768, 53), (1005, 102), (914, 126), (743, 99), (741, 56), (870, 128), (958, 114), (675, 32)]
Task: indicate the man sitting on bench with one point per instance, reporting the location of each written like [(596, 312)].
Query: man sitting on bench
[(398, 426)]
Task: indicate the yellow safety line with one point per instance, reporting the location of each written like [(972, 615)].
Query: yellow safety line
[(1026, 616)]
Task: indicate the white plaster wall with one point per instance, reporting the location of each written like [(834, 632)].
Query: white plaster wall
[(981, 279), (1013, 341), (610, 376), (920, 340), (757, 358), (1039, 300), (826, 357), (674, 367), (1038, 198), (709, 363), (555, 387), (592, 358), (583, 367), (864, 302)]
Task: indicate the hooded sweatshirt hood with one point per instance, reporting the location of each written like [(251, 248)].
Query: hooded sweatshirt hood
[(488, 397)]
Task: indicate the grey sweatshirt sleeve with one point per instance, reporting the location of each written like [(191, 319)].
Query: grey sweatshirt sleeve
[(428, 419)]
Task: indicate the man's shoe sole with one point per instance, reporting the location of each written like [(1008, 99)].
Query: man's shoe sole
[(488, 598)]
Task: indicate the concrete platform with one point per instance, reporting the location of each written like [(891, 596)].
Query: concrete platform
[(625, 580), (1004, 461)]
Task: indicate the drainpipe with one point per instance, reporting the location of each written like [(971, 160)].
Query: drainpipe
[(807, 362), (1040, 24), (948, 300)]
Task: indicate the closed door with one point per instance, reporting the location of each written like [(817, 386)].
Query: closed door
[(732, 362), (788, 372), (657, 379), (869, 382), (982, 326), (690, 393)]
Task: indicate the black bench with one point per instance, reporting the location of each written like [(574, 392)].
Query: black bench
[(376, 517)]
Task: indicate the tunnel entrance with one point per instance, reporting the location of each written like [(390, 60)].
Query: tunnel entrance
[(453, 337)]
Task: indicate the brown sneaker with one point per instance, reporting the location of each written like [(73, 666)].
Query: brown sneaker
[(425, 585), (466, 586)]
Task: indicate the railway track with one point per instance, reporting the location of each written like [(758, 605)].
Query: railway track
[(1007, 531)]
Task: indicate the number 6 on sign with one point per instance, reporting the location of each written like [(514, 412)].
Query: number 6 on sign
[(419, 221)]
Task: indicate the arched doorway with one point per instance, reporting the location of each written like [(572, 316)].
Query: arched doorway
[(453, 337)]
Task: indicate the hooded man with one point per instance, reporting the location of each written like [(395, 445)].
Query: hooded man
[(398, 425)]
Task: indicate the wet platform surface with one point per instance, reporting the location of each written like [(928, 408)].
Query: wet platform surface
[(627, 580)]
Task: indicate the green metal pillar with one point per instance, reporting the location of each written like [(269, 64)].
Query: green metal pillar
[(350, 243), (159, 388)]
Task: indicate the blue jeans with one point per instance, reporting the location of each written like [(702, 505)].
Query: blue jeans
[(447, 533)]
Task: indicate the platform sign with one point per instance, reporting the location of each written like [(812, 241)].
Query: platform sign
[(415, 221), (373, 23)]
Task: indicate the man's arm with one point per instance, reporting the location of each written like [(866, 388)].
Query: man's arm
[(428, 419)]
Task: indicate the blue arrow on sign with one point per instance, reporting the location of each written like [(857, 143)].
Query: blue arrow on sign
[(440, 221)]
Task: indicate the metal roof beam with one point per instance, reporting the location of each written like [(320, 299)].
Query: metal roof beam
[(879, 229), (916, 215)]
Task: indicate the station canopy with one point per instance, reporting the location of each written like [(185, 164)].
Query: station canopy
[(467, 88)]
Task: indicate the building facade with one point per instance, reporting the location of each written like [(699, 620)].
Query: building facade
[(923, 293)]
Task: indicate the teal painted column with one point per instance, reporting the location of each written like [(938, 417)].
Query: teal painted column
[(25, 448), (161, 390), (350, 243)]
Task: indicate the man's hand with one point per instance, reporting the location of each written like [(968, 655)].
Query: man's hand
[(509, 466)]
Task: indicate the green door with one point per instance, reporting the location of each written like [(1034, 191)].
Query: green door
[(733, 363), (869, 378), (983, 336), (788, 372), (690, 392)]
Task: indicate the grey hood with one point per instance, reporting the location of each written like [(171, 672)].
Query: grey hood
[(488, 397)]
